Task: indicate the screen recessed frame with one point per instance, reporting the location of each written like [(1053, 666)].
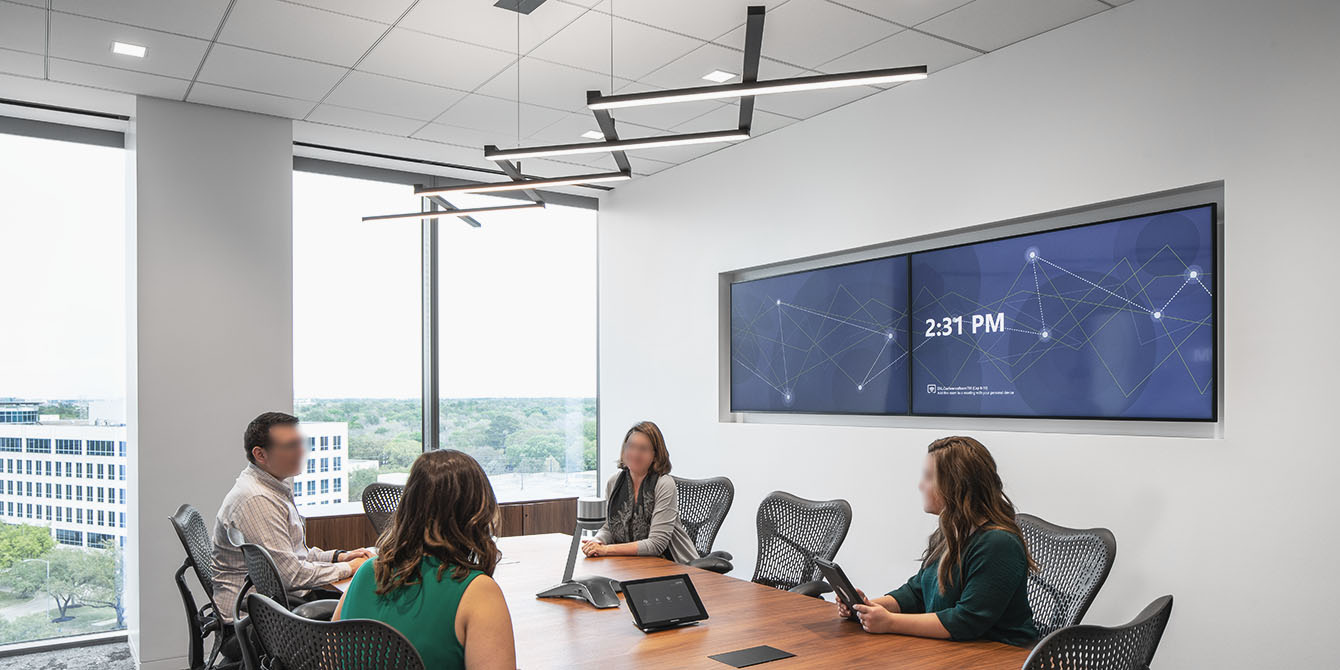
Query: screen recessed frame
[(1216, 284)]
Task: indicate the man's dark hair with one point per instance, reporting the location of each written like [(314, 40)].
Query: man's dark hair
[(258, 431)]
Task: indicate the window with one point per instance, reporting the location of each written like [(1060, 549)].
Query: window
[(311, 487), (11, 444), (68, 447), (311, 465), (39, 446), (325, 465), (100, 448), (362, 379), (325, 486), (337, 483), (336, 465), (73, 538), (325, 442), (523, 406)]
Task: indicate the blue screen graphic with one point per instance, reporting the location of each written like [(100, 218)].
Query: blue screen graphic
[(1108, 320), (831, 341)]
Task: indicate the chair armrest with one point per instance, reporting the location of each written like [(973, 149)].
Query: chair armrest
[(712, 563), (722, 554), (317, 610), (813, 589)]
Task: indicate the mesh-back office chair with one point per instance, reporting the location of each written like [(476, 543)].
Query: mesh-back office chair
[(379, 504), (703, 505), (1086, 647), (263, 576), (792, 532), (1072, 565), (202, 621), (303, 644)]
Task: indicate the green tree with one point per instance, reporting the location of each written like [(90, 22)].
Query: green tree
[(107, 589), (19, 541), (501, 426), (75, 576), (359, 480)]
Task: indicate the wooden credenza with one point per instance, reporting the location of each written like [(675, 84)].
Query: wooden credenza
[(527, 517)]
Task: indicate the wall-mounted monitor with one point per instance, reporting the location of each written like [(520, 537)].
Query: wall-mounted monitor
[(1109, 320), (832, 340)]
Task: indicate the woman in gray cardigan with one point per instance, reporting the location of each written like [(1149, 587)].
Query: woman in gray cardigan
[(643, 516)]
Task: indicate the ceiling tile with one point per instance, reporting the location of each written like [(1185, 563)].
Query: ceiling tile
[(810, 32), (455, 135), (689, 70), (90, 41), (127, 81), (605, 163), (23, 28), (992, 24), (549, 84), (296, 30), (386, 95), (906, 48), (434, 60), (381, 11), (728, 116), (357, 118), (638, 49), (197, 18), (248, 101), (268, 73), (21, 63), (498, 116), (705, 20), (906, 12), (480, 22)]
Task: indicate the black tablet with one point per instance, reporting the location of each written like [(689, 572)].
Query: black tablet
[(841, 585), (663, 602)]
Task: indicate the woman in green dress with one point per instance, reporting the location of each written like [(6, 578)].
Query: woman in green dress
[(432, 578), (974, 573)]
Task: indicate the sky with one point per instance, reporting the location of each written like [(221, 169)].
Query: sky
[(518, 296)]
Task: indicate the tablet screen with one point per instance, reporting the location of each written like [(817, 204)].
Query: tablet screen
[(663, 601)]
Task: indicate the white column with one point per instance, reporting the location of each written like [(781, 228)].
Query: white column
[(210, 297)]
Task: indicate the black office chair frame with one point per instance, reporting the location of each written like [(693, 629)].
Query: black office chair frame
[(703, 506), (379, 504), (792, 532), (263, 577), (201, 621), (1127, 647), (1073, 564), (303, 644)]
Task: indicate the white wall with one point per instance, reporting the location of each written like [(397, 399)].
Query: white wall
[(1153, 95), (211, 341)]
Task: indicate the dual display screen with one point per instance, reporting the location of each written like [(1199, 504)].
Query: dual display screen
[(1110, 320)]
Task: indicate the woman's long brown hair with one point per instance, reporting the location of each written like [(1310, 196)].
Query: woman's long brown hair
[(974, 497), (447, 511)]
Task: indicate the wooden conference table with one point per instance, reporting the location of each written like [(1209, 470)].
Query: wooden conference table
[(564, 633)]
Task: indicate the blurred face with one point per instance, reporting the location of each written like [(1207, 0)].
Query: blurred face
[(638, 453), (284, 457), (931, 501)]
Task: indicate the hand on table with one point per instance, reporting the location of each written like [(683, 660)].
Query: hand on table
[(354, 563), (593, 547), (354, 553), (874, 618)]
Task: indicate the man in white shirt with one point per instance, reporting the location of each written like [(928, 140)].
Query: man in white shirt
[(261, 506)]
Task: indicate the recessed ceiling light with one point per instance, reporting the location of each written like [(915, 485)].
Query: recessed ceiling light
[(128, 49), (593, 135), (719, 76)]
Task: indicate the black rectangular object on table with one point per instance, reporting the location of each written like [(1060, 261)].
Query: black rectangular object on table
[(658, 603), (751, 656)]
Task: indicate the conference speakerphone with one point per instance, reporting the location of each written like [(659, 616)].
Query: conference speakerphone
[(659, 603)]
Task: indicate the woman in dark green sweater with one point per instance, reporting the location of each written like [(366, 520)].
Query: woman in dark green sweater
[(974, 572)]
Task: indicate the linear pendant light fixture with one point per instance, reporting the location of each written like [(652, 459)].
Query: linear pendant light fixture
[(594, 100), (525, 184), (494, 153), (452, 212)]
